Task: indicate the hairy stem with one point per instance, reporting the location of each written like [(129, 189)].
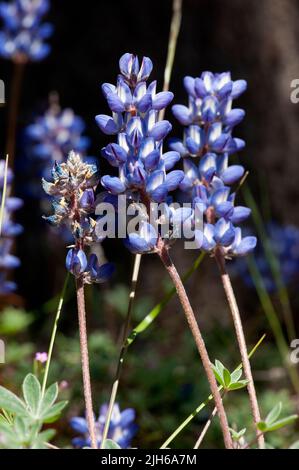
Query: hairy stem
[(199, 341), (123, 349), (85, 361), (228, 289), (15, 94)]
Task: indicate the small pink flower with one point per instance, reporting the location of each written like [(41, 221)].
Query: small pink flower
[(41, 357)]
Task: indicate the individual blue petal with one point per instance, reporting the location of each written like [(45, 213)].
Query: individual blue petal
[(182, 114), (160, 130), (239, 143), (125, 64), (224, 232), (127, 416), (145, 69), (239, 86), (76, 261), (159, 194), (208, 242), (234, 117), (173, 179), (152, 160), (113, 184), (189, 84), (232, 174), (106, 124), (143, 242), (190, 170), (108, 88), (155, 179), (200, 88), (161, 100), (145, 103), (105, 272), (246, 246), (178, 146), (87, 199), (209, 108), (240, 214), (224, 209), (170, 159), (115, 103)]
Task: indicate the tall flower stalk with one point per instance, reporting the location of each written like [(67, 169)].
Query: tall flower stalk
[(72, 189), (209, 121), (144, 178)]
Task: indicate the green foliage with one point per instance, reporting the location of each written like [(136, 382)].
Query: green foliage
[(272, 423), (110, 444), (22, 420), (229, 381), (13, 321)]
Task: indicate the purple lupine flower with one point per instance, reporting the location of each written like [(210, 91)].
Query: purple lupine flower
[(23, 34), (284, 242), (206, 146), (143, 168), (72, 192), (10, 229), (122, 427)]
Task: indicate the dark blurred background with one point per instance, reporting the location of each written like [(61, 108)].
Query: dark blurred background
[(256, 40)]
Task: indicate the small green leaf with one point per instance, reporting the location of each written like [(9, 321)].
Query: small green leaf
[(52, 414), (20, 427), (238, 385), (226, 377), (235, 375), (218, 376), (10, 402), (49, 397), (219, 366), (274, 413), (32, 393), (281, 423), (110, 444)]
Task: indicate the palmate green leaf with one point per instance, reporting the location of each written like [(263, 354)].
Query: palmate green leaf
[(110, 444), (32, 393), (274, 414), (10, 402), (235, 375), (53, 413), (236, 435)]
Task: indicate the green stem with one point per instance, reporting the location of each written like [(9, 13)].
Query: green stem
[(205, 403), (54, 331), (123, 351), (172, 43)]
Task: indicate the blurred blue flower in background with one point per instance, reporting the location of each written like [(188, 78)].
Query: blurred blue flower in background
[(56, 133), (22, 36), (284, 242), (10, 229), (122, 427)]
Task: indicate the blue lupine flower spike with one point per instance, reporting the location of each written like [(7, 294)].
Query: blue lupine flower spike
[(207, 143)]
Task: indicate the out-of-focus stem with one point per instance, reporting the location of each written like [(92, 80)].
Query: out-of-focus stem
[(124, 348), (199, 341), (241, 342), (15, 93), (172, 42), (4, 191), (85, 361), (205, 429), (54, 331)]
